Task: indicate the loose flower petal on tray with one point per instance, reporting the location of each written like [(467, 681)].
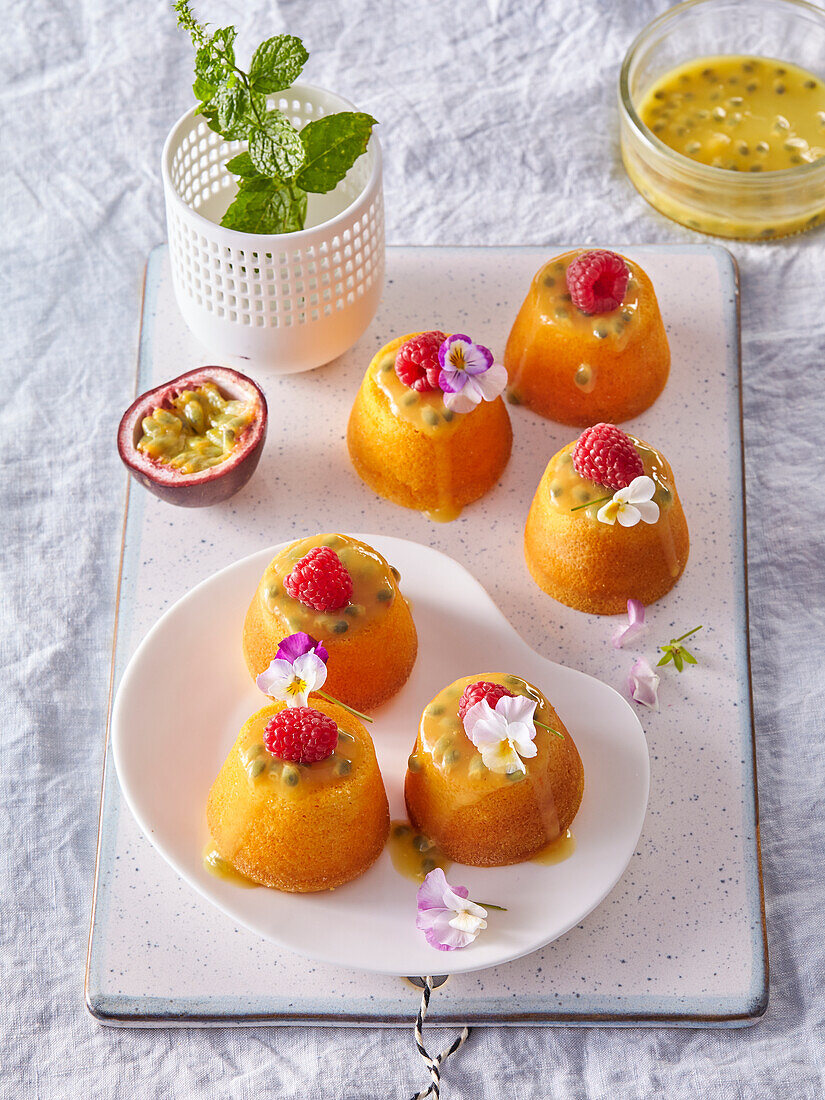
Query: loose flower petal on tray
[(643, 684), (623, 635)]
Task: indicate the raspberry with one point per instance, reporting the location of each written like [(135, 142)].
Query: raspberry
[(320, 580), (604, 454), (597, 281), (416, 363), (301, 734), (482, 689)]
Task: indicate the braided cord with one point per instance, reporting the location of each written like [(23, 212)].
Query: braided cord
[(433, 1064)]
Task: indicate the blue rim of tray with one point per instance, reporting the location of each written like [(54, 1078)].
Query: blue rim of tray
[(583, 1010)]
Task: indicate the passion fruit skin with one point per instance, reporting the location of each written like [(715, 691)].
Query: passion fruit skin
[(211, 486)]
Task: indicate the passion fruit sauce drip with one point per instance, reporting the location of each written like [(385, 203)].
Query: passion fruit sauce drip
[(374, 587), (444, 740), (216, 865), (196, 429), (427, 414), (552, 304), (568, 490), (413, 853)]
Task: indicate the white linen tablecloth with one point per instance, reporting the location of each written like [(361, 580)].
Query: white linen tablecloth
[(499, 125)]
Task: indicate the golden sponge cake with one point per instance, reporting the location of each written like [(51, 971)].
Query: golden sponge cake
[(580, 368), (484, 817), (299, 827), (371, 641), (411, 449), (596, 566)]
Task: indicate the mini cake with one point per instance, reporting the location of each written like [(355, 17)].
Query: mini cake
[(588, 343), (344, 594), (494, 776), (606, 524), (299, 803), (428, 429)]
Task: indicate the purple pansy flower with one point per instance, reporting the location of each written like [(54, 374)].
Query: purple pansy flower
[(635, 624), (298, 669), (297, 644), (445, 915), (468, 374)]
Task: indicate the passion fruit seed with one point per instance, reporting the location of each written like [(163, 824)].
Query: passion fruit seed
[(422, 843), (343, 767), (291, 776), (256, 768), (201, 436)]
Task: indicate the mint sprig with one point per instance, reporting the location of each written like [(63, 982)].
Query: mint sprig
[(676, 652), (281, 164)]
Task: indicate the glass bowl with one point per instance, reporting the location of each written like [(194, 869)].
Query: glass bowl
[(747, 206)]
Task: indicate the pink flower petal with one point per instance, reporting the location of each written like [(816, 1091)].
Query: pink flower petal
[(623, 635), (643, 684)]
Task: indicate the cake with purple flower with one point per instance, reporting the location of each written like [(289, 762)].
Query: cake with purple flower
[(429, 429), (494, 776), (343, 596)]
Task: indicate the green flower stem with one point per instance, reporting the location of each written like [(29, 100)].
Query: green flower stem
[(548, 728), (489, 905), (338, 703), (681, 638), (600, 500)]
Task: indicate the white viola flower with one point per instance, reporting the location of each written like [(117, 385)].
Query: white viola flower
[(291, 682), (635, 624), (504, 735), (631, 504), (445, 915), (643, 684)]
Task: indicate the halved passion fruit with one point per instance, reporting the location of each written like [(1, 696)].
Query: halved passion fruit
[(197, 439)]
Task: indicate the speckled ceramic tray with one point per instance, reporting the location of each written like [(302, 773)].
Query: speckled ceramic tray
[(681, 939)]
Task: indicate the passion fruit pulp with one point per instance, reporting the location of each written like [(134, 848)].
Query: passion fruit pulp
[(181, 403)]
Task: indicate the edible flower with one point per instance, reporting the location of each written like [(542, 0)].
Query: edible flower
[(299, 667), (504, 735), (677, 653), (635, 624), (643, 684), (631, 504), (468, 374), (445, 915)]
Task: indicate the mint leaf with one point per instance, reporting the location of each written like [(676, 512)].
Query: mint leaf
[(203, 89), (223, 43), (332, 145), (277, 63), (208, 66), (276, 148), (267, 206), (242, 165), (230, 111)]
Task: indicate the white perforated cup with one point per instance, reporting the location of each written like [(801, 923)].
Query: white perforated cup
[(286, 302)]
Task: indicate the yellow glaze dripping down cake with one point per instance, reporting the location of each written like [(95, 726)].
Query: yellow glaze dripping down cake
[(484, 817), (411, 449)]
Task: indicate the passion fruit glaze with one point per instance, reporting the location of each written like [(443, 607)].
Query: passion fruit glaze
[(196, 440)]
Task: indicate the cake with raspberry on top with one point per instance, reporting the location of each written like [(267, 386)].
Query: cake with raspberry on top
[(299, 803), (344, 594), (428, 429), (588, 343), (606, 524), (494, 776)]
